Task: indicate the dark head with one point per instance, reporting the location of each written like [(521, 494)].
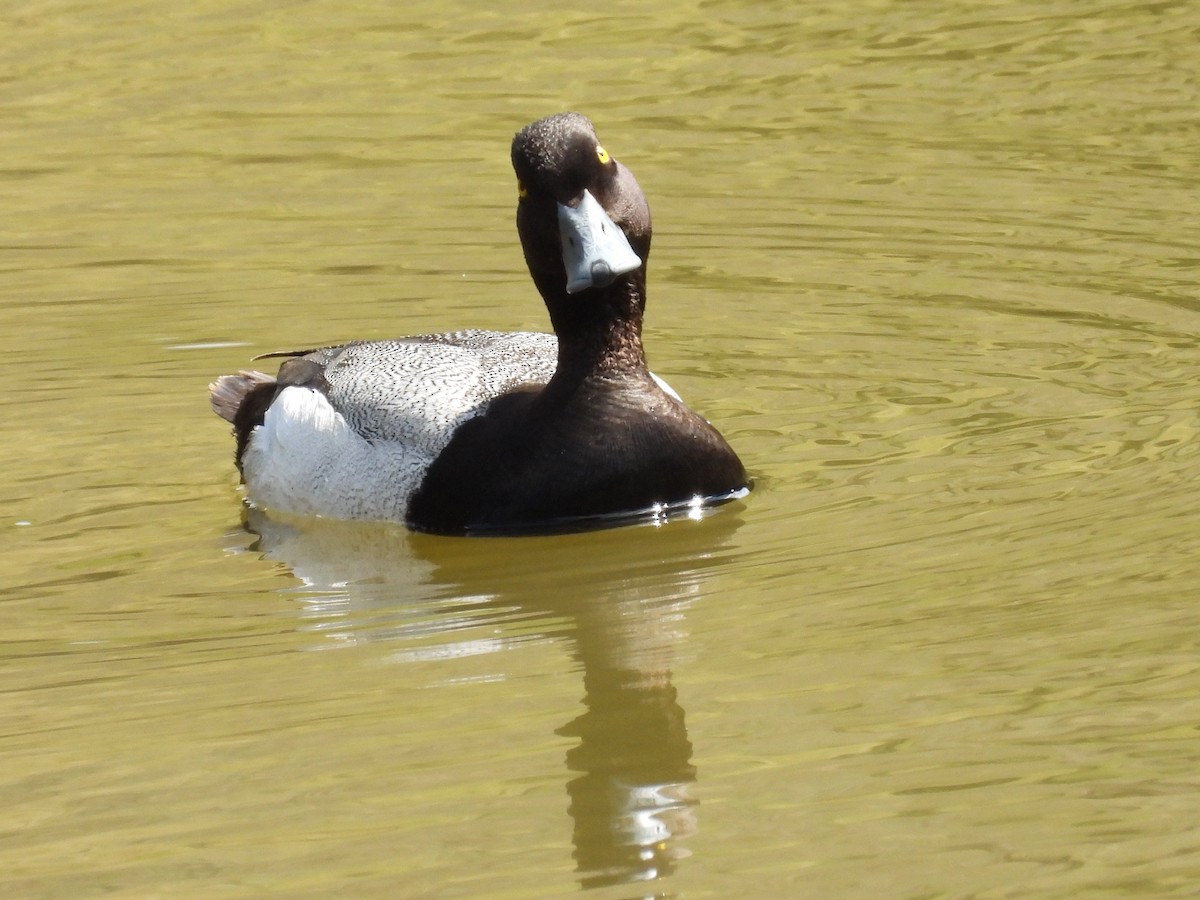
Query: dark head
[(585, 229)]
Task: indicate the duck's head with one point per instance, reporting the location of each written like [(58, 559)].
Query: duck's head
[(583, 219)]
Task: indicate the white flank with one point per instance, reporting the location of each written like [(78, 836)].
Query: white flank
[(306, 460)]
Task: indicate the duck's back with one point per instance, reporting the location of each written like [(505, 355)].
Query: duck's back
[(418, 390)]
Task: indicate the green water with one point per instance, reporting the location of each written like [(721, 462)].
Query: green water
[(931, 267)]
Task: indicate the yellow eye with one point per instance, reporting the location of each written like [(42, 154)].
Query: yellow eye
[(522, 193), (602, 155)]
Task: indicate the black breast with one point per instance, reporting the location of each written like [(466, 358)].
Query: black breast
[(535, 459)]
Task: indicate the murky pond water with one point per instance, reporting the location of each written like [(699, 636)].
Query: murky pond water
[(932, 269)]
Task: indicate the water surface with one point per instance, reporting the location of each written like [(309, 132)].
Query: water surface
[(930, 267)]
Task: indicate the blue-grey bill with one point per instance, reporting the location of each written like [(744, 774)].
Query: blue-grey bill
[(595, 250)]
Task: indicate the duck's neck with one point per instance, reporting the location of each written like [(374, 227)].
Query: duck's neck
[(600, 331)]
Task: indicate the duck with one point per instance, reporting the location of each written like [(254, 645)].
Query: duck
[(486, 432)]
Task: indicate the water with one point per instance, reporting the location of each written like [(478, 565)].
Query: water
[(930, 267)]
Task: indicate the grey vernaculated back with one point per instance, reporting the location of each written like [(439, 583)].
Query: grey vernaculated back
[(418, 389)]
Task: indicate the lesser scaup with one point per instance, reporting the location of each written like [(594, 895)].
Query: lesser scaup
[(481, 431)]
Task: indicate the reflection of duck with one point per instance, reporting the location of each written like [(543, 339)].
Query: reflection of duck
[(477, 431), (631, 803), (623, 603)]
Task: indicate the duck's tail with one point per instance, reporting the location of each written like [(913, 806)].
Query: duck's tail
[(227, 392)]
